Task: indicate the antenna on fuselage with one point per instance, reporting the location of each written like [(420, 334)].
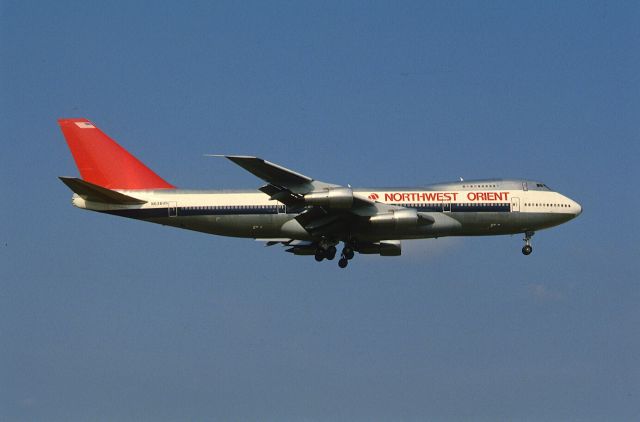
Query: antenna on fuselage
[(461, 179)]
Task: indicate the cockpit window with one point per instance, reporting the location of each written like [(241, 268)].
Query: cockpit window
[(542, 186)]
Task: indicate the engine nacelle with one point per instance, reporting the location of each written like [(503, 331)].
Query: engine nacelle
[(340, 198), (303, 249), (383, 248), (400, 219)]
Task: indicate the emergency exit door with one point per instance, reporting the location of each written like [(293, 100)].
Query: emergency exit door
[(173, 209), (515, 204)]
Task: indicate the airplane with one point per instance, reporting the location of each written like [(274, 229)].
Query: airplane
[(307, 216)]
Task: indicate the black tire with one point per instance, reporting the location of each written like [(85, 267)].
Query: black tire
[(348, 253), (527, 249), (331, 252), (320, 254), (343, 262)]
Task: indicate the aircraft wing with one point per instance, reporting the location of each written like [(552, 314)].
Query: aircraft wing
[(275, 175), (270, 172), (323, 208)]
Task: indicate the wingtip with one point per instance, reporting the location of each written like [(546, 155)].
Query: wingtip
[(231, 157), (243, 157)]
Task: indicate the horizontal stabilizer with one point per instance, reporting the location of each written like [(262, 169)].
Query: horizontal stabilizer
[(95, 193)]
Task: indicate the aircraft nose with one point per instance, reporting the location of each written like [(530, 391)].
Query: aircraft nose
[(578, 208)]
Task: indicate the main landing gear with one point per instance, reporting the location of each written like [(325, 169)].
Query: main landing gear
[(328, 251), (527, 248), (347, 255)]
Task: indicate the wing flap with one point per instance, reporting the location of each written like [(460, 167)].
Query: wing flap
[(281, 194)]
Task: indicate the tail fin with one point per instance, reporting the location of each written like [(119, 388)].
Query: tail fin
[(103, 162)]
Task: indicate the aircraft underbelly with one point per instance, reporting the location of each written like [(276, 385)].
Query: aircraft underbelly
[(445, 224), (480, 224)]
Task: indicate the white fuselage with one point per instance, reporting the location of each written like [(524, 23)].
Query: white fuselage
[(458, 209)]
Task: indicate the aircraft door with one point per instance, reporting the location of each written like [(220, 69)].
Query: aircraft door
[(515, 204), (173, 209), (446, 206)]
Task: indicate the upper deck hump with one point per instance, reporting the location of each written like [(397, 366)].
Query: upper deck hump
[(470, 185)]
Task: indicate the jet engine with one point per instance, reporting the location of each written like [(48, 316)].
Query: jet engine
[(383, 248), (398, 219), (305, 249), (340, 198)]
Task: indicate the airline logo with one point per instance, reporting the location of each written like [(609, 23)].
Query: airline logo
[(443, 196), (374, 197), (85, 125)]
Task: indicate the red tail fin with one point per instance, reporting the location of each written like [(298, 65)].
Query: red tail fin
[(103, 162)]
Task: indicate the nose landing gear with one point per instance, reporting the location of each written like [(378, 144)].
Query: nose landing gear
[(527, 248)]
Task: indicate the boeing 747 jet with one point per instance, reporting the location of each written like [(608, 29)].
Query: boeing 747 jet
[(307, 216)]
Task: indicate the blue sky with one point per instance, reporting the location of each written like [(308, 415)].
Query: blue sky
[(110, 319)]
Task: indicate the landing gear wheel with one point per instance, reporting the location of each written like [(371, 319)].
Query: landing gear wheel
[(320, 254), (527, 249), (330, 253), (343, 262), (348, 253)]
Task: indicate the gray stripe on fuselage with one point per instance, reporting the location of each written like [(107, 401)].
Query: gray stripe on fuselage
[(268, 224)]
